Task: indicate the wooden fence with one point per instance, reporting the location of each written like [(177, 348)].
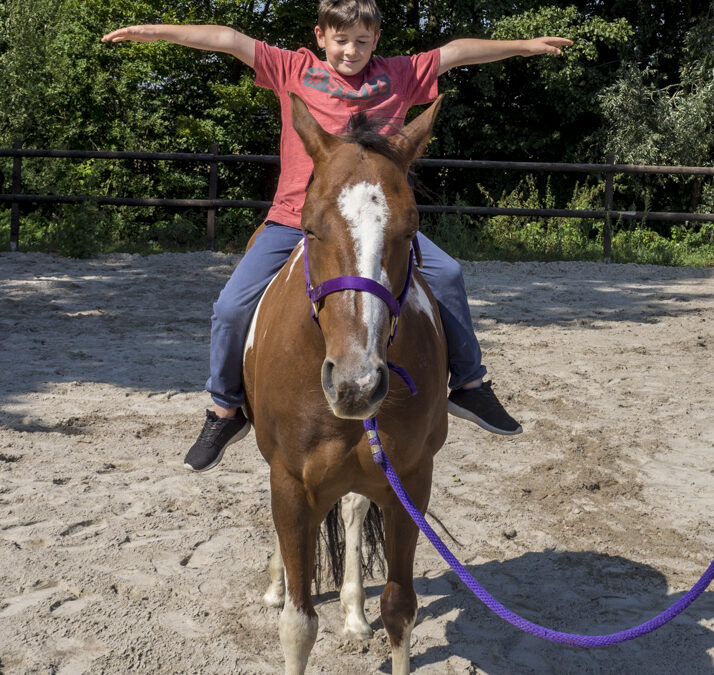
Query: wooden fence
[(213, 203)]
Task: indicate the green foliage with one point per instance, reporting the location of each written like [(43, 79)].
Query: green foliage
[(547, 239), (77, 230), (639, 82), (689, 246), (65, 89), (532, 108), (526, 237), (588, 32), (666, 116)]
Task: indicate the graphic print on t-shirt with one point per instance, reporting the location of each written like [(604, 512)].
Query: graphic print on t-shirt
[(320, 79)]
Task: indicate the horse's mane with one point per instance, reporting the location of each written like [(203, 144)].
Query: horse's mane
[(365, 133)]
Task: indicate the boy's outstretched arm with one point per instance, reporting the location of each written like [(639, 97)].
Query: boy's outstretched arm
[(212, 38), (471, 50)]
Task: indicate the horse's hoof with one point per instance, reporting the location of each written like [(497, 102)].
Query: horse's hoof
[(273, 599), (357, 630)]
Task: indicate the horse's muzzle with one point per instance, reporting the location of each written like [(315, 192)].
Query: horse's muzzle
[(354, 392)]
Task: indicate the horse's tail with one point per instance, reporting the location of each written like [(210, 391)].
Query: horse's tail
[(332, 539), (373, 532)]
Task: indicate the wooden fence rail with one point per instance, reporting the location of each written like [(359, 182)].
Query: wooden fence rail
[(212, 203)]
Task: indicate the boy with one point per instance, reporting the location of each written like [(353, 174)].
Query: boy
[(349, 80)]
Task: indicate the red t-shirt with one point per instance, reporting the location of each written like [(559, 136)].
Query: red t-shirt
[(386, 88)]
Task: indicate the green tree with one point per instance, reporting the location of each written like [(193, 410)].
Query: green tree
[(63, 88), (672, 124), (638, 81)]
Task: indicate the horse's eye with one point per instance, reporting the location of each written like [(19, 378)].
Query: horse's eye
[(310, 234)]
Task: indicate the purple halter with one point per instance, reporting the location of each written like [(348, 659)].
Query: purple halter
[(352, 283)]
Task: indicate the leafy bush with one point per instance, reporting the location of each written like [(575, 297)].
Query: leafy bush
[(530, 238), (690, 246)]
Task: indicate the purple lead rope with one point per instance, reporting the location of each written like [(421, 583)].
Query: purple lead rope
[(677, 608), (395, 305)]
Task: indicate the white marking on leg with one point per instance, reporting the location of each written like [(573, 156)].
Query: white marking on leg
[(364, 207), (354, 508), (275, 595), (297, 636), (400, 653)]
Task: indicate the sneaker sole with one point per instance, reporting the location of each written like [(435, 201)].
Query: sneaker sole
[(465, 414), (240, 435)]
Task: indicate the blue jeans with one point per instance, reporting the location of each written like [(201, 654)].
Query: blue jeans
[(233, 311)]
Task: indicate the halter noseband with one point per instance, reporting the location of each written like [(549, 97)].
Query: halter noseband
[(352, 283)]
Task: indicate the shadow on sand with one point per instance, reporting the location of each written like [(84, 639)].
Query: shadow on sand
[(586, 593), (584, 294), (143, 322)]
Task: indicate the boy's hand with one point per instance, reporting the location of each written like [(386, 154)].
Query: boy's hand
[(133, 33), (467, 51), (545, 45), (213, 38)]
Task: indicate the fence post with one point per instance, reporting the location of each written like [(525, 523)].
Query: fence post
[(609, 205), (16, 190), (212, 194)]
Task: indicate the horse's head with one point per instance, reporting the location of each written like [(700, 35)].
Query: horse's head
[(359, 218)]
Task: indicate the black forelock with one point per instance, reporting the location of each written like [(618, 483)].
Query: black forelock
[(365, 133)]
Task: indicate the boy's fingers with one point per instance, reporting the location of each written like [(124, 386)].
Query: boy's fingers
[(135, 33), (115, 36), (557, 42), (550, 45)]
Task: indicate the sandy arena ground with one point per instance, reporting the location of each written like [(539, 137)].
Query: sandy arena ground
[(114, 559)]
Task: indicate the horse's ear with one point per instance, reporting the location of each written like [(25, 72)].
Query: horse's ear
[(414, 138), (316, 140)]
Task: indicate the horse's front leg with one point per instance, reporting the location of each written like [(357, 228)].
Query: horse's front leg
[(275, 595), (296, 526), (354, 508), (398, 600)]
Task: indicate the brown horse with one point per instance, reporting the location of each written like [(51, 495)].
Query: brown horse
[(308, 387)]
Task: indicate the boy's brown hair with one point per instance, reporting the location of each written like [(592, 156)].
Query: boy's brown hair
[(341, 14)]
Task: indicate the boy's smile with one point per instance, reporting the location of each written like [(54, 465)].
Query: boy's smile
[(348, 50)]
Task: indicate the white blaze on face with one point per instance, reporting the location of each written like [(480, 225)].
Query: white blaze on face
[(364, 207)]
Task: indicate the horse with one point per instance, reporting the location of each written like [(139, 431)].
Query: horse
[(310, 381)]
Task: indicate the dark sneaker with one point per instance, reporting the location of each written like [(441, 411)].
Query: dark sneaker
[(217, 434), (481, 406)]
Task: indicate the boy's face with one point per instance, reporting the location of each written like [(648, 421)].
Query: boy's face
[(348, 50)]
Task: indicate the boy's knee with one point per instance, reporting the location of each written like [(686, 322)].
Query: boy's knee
[(227, 312), (451, 271)]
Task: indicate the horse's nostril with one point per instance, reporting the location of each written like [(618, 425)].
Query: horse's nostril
[(381, 384), (328, 384), (354, 395)]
